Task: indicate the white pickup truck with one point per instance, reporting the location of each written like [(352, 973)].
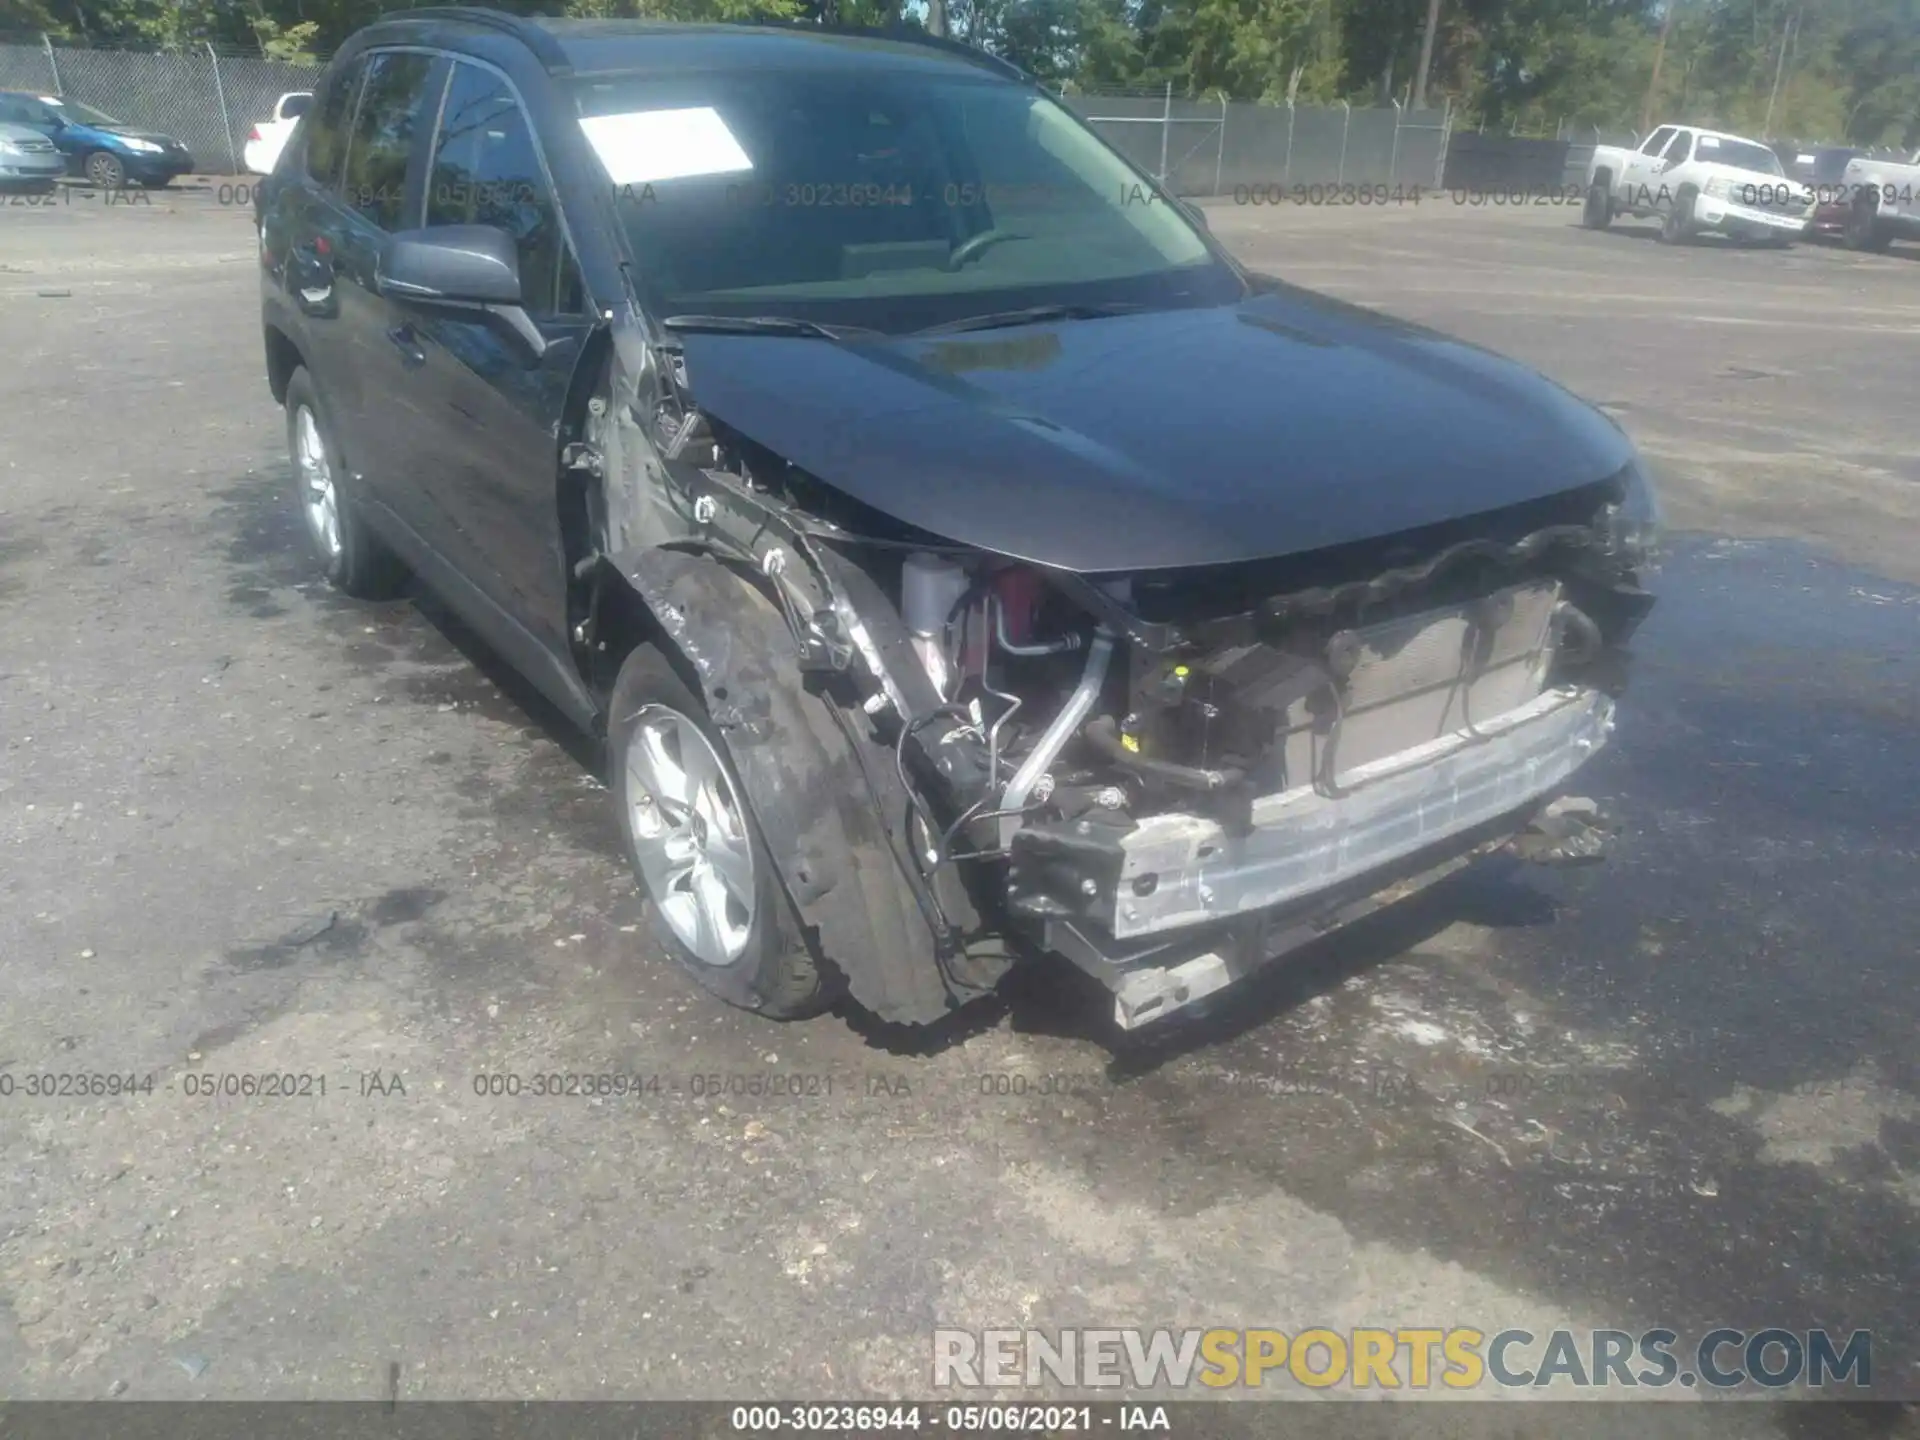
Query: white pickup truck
[(1882, 201), (1695, 181), (269, 137)]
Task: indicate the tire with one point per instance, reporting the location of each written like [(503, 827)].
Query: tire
[(1864, 230), (1597, 213), (1676, 226), (354, 560), (696, 850), (104, 169)]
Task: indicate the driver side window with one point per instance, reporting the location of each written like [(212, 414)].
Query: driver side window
[(1657, 141), (1681, 147), (17, 111), (486, 171)]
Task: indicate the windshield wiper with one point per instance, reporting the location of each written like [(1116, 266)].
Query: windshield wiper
[(1032, 315), (766, 325)]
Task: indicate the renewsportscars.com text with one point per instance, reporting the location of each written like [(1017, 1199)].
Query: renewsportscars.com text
[(1455, 1358)]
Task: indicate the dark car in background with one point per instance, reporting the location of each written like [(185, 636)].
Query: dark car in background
[(97, 146), (1825, 174), (960, 556)]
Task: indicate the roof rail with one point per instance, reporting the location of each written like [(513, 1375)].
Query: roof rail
[(536, 38), (907, 34)]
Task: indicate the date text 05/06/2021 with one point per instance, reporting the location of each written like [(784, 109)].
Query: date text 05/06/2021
[(968, 1419)]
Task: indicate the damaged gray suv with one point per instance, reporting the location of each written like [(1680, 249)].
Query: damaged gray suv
[(961, 556)]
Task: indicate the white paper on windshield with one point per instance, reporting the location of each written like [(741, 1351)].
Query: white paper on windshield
[(642, 146), (1707, 142)]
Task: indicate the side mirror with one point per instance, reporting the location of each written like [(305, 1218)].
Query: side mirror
[(452, 265), (295, 106), (458, 267)]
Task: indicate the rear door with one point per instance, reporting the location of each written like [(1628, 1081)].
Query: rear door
[(379, 193), (300, 224), (483, 444)]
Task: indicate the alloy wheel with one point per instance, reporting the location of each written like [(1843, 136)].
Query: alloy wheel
[(690, 835), (318, 497)]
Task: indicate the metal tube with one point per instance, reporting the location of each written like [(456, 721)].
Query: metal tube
[(226, 121), (1069, 641), (1220, 151), (1166, 130), (1054, 739)]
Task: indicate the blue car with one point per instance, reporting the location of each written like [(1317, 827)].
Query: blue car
[(95, 144)]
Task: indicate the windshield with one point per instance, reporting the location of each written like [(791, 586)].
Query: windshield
[(1741, 154), (890, 200), (74, 113), (1832, 164)]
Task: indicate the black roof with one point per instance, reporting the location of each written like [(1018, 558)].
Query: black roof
[(620, 46)]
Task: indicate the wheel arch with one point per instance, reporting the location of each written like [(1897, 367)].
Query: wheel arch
[(835, 831), (283, 358)]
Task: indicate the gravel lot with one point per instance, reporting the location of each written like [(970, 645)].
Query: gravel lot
[(248, 827)]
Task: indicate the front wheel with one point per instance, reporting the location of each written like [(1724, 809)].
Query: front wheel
[(1676, 226), (696, 848), (106, 171), (1864, 230), (1597, 214)]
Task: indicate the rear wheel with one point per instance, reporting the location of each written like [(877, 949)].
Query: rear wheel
[(352, 556), (696, 848), (1597, 214)]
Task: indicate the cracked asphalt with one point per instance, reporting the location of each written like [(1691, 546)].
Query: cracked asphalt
[(248, 828)]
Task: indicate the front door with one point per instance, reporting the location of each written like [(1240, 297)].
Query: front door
[(482, 447)]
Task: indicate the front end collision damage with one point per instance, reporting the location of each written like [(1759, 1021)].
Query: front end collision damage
[(1018, 767)]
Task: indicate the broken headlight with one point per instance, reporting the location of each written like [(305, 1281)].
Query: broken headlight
[(1634, 522)]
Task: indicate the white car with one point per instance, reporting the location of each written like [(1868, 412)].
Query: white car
[(1882, 200), (1694, 181), (269, 137)]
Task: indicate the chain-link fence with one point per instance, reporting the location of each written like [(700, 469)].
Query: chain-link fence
[(205, 100), (1219, 147)]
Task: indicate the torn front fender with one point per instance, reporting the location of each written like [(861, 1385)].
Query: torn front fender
[(835, 847)]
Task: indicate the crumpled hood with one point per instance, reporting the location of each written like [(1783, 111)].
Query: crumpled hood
[(1283, 424)]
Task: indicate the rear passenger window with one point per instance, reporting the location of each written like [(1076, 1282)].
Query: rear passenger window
[(486, 171), (395, 107), (327, 127), (1657, 140)]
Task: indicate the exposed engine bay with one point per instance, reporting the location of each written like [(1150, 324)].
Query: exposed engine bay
[(1169, 777)]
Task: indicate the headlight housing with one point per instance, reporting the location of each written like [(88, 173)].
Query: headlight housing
[(1635, 522), (7, 147), (145, 147), (1716, 186)]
